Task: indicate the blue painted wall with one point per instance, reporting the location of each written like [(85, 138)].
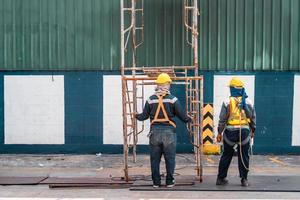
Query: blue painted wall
[(1, 110), (274, 107), (84, 114), (83, 110)]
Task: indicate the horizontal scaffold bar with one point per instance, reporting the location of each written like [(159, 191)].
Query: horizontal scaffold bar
[(159, 68), (173, 83), (138, 78)]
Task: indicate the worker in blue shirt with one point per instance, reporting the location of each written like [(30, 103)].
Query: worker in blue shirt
[(162, 108)]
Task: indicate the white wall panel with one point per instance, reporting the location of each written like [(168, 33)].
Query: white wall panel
[(296, 112), (112, 110), (34, 109)]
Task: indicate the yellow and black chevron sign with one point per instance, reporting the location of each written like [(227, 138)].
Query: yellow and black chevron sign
[(208, 130)]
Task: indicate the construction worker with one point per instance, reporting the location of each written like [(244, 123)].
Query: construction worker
[(162, 108), (237, 119)]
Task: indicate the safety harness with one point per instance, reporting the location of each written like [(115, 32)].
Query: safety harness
[(236, 119), (162, 107)]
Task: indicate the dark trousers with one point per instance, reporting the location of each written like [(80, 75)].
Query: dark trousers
[(162, 142), (228, 152)]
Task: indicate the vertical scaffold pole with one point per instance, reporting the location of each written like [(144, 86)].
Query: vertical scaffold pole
[(125, 142), (198, 109), (134, 84)]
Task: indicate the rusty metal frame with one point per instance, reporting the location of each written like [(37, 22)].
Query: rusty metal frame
[(139, 76)]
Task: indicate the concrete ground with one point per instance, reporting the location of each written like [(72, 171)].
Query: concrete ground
[(111, 166)]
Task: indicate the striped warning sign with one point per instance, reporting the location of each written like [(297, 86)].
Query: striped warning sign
[(208, 130), (208, 124)]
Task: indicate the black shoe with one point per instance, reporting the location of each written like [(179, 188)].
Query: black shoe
[(156, 184), (221, 181), (244, 182), (170, 184)]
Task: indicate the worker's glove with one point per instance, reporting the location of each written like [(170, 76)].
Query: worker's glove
[(219, 138)]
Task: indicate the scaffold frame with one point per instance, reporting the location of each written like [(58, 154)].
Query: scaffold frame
[(136, 77)]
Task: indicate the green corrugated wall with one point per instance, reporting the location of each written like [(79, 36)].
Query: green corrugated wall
[(85, 34)]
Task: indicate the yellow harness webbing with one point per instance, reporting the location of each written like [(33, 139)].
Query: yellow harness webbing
[(235, 116), (162, 107)]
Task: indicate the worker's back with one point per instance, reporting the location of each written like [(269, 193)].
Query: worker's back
[(172, 109)]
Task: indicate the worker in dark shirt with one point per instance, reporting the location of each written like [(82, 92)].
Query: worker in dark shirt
[(162, 108)]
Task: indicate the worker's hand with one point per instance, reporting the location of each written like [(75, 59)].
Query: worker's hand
[(252, 134), (193, 117), (219, 138), (134, 115)]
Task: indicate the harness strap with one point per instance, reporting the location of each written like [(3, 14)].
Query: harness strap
[(237, 127), (235, 115), (162, 107), (230, 143)]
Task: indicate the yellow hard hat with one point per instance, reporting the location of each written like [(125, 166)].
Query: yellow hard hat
[(163, 78), (236, 82)]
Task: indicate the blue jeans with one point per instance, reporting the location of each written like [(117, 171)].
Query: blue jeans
[(162, 142), (228, 152)]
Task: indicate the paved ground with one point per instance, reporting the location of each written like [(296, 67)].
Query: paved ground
[(111, 166)]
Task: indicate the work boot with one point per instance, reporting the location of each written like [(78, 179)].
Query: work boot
[(221, 181), (244, 182)]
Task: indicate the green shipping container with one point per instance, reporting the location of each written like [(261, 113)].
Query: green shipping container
[(243, 35)]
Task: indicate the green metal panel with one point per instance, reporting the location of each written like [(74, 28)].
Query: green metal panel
[(59, 34), (249, 35), (85, 34)]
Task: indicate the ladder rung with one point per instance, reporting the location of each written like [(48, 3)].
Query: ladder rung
[(189, 7), (129, 102), (139, 28), (196, 101), (179, 72), (139, 97), (127, 9), (139, 9), (195, 124)]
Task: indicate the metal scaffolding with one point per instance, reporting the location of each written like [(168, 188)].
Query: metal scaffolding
[(134, 78)]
